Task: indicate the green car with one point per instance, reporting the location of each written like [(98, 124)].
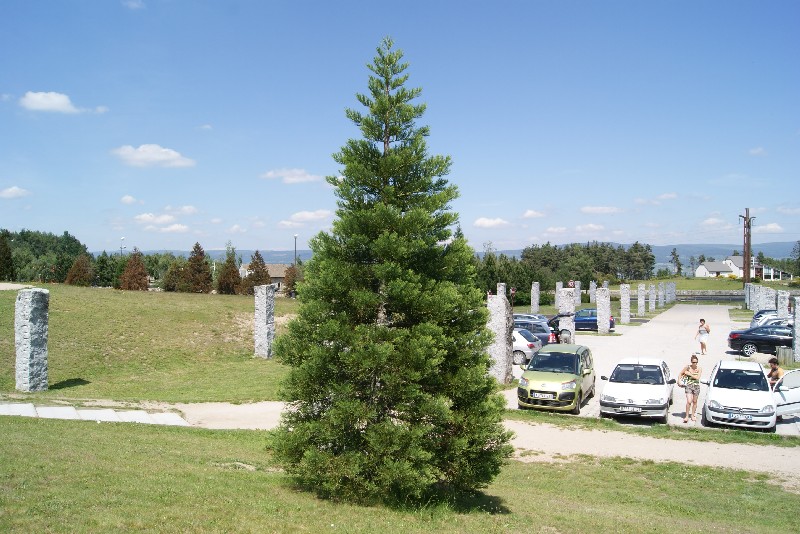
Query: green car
[(558, 377)]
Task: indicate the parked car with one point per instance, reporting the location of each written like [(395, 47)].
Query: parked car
[(558, 377), (586, 319), (539, 329), (560, 335), (531, 317), (779, 321), (640, 387), (739, 395), (525, 345), (760, 339), (762, 315)]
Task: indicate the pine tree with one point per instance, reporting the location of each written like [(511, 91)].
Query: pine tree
[(229, 280), (389, 385), (197, 272), (81, 273), (258, 276), (134, 277), (6, 259)]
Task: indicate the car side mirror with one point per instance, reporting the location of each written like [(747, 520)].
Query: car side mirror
[(603, 377), (704, 382), (671, 381), (523, 367)]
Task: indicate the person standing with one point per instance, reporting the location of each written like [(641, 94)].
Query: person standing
[(702, 335), (775, 372), (689, 380)]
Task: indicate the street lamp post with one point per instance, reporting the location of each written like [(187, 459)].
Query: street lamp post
[(121, 245)]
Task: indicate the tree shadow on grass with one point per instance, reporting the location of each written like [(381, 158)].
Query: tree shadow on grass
[(70, 383)]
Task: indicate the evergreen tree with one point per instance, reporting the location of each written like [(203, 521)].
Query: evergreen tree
[(197, 272), (388, 381), (6, 259), (675, 260), (81, 273), (258, 275), (175, 278), (290, 279), (134, 277), (228, 281)]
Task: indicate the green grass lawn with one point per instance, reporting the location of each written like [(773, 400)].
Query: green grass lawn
[(78, 476), (133, 345)]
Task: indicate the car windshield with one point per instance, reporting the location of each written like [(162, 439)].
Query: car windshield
[(527, 335), (746, 379), (637, 374), (554, 362)]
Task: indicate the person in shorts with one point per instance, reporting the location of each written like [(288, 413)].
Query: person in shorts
[(689, 380), (702, 335), (775, 372)]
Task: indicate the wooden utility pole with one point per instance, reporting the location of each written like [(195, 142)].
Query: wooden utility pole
[(747, 246)]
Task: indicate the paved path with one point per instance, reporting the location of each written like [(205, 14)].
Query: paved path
[(108, 415)]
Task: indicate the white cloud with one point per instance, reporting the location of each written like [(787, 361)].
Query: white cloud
[(128, 199), (771, 228), (757, 151), (205, 127), (171, 229), (556, 230), (14, 192), (589, 227), (5, 97), (600, 210), (532, 214), (47, 101), (150, 218), (236, 229), (291, 176), (299, 219), (133, 4), (216, 220), (181, 210), (151, 156), (667, 196), (289, 224), (485, 222), (789, 211), (712, 221)]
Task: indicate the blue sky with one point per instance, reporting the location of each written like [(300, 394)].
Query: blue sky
[(170, 122)]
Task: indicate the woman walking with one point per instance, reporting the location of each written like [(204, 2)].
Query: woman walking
[(689, 380), (702, 335)]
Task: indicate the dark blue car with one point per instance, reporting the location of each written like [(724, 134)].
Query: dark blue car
[(586, 319)]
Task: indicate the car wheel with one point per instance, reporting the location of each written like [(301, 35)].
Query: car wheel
[(670, 400), (704, 420), (772, 429), (577, 409), (519, 357), (664, 419), (521, 407), (748, 349)]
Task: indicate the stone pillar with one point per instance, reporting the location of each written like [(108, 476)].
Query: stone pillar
[(783, 304), (535, 297), (566, 301), (625, 303), (501, 323), (264, 323), (605, 284), (557, 295), (31, 316), (652, 303), (796, 329), (592, 292), (603, 310), (577, 293), (769, 298), (755, 298), (747, 289), (641, 310), (661, 294)]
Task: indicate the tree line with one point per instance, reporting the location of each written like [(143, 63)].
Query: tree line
[(32, 256)]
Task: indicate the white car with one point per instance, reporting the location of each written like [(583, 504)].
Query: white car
[(739, 395), (640, 387), (525, 346)]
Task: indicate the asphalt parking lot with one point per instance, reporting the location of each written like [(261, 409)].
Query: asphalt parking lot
[(669, 336)]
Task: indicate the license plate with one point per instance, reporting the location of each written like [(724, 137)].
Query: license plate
[(630, 409), (744, 416), (537, 395)]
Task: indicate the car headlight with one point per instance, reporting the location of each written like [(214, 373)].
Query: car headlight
[(767, 410), (523, 382), (608, 398), (714, 405), (569, 385)]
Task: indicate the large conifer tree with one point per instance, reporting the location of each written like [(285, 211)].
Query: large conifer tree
[(198, 272), (388, 389)]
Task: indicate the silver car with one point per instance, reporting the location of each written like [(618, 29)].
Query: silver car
[(525, 346)]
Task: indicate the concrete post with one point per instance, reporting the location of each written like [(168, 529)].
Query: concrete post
[(535, 297), (577, 293), (661, 294), (264, 321), (652, 303), (592, 292), (567, 305), (625, 303), (640, 311), (501, 324)]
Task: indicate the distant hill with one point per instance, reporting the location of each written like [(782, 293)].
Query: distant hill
[(663, 253)]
